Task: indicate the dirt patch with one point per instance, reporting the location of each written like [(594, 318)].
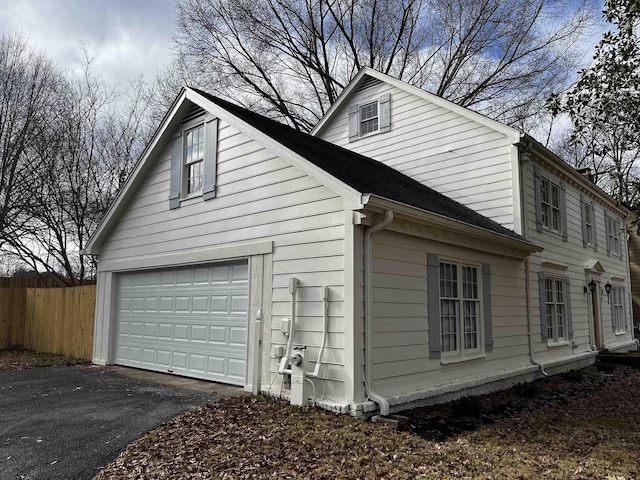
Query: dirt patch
[(577, 426), (19, 359)]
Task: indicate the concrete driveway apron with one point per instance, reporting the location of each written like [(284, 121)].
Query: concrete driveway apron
[(68, 422)]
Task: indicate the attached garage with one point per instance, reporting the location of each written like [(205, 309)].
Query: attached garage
[(187, 321)]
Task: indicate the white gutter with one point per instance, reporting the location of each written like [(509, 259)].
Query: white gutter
[(368, 312)]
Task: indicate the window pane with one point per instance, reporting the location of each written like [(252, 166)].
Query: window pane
[(369, 118), (471, 324), (449, 321), (555, 196)]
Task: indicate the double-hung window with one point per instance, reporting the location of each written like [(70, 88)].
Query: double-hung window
[(587, 211), (613, 235), (550, 199), (588, 215), (556, 324), (369, 118), (617, 309), (194, 159), (551, 204), (460, 310), (194, 154), (555, 308)]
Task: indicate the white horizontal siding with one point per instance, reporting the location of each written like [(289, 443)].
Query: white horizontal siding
[(400, 323), (452, 154), (259, 196), (575, 256)]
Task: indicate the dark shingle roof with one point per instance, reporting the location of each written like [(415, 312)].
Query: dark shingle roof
[(362, 173)]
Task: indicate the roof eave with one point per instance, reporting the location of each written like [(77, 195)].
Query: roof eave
[(521, 245), (555, 160)]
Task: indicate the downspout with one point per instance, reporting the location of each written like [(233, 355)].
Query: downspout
[(522, 161), (529, 320), (368, 312)]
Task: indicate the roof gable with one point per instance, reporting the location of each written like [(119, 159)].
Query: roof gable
[(367, 74)]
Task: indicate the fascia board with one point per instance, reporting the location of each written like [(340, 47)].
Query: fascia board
[(513, 134), (352, 196), (454, 225), (551, 158), (135, 178)]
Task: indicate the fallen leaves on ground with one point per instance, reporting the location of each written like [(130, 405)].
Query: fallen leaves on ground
[(20, 359), (581, 427)]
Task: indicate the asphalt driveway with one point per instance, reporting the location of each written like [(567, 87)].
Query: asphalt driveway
[(67, 422)]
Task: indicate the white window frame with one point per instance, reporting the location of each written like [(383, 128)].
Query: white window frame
[(587, 212), (613, 236), (617, 309), (556, 309), (188, 163), (362, 120), (465, 295), (548, 207)]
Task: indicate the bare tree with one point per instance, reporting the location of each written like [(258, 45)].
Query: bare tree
[(90, 149), (290, 59), (27, 85)]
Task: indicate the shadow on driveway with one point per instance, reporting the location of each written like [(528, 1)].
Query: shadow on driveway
[(68, 422)]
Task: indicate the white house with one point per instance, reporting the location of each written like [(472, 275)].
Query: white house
[(511, 178), (245, 252)]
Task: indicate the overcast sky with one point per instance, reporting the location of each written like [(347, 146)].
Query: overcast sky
[(129, 36)]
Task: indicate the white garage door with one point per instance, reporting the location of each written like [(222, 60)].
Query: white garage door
[(187, 321)]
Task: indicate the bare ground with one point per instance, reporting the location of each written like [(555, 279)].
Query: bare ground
[(581, 425)]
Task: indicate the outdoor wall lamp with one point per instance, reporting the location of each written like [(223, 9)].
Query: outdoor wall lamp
[(607, 288), (591, 285)]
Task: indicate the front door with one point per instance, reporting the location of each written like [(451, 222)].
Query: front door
[(595, 310)]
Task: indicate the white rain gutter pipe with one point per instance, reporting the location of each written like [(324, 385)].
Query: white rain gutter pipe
[(284, 361), (529, 321), (325, 328), (368, 312)]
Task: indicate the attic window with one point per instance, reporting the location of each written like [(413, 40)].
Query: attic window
[(369, 118), (194, 159)]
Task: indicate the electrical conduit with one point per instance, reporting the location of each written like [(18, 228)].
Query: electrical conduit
[(284, 361), (325, 327)]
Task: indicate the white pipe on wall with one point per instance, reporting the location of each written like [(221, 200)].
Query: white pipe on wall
[(284, 361), (325, 328), (368, 311)]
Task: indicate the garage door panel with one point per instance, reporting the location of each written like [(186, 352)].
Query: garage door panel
[(189, 321)]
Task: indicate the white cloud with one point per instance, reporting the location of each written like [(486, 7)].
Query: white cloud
[(129, 37)]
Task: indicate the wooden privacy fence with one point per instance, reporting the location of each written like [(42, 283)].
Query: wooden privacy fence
[(52, 320)]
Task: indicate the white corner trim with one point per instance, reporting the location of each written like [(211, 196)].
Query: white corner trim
[(188, 257)]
